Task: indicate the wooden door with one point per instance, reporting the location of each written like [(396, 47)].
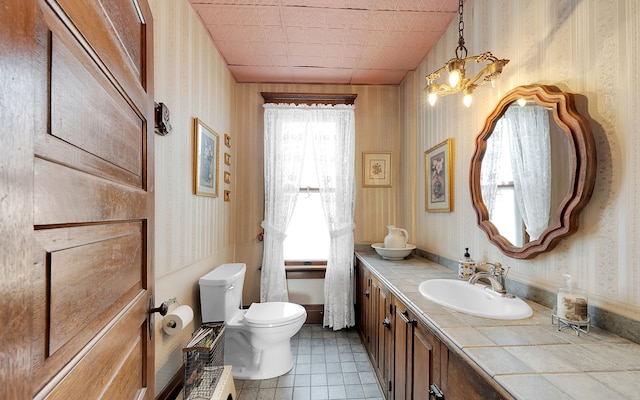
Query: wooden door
[(90, 163)]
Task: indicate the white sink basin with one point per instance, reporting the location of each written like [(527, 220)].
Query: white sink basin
[(474, 299)]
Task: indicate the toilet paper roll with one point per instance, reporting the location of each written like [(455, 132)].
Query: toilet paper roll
[(176, 320)]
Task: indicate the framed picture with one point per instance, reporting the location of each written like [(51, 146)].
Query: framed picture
[(227, 140), (438, 173), (227, 195), (205, 159), (376, 169), (227, 177), (227, 159)]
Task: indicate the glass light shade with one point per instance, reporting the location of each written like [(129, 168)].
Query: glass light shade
[(468, 98), (432, 99), (454, 78), (522, 102)]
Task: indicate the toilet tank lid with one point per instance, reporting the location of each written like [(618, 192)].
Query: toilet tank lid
[(224, 275)]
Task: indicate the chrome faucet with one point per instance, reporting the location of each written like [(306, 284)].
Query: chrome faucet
[(494, 275)]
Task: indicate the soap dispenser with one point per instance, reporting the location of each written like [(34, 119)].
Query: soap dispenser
[(572, 302), (466, 265)]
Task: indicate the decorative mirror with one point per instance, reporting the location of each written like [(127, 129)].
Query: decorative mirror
[(533, 170)]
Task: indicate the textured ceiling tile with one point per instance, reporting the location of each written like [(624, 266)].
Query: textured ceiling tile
[(401, 21), (409, 5), (375, 38), (357, 19), (377, 77), (334, 35), (313, 49), (314, 35), (379, 20), (250, 16), (270, 16), (227, 16), (388, 5), (362, 4), (295, 34), (293, 16), (263, 40), (314, 18), (275, 34), (277, 48), (254, 34), (279, 60), (356, 36), (423, 22), (235, 33), (321, 75), (441, 22), (297, 49), (369, 52)]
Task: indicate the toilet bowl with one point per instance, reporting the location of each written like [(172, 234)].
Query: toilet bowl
[(258, 339)]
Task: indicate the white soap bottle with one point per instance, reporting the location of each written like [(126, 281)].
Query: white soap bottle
[(572, 302)]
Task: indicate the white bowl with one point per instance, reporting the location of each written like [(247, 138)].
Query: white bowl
[(397, 253)]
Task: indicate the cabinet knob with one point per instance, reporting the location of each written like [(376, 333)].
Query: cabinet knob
[(387, 323), (366, 293)]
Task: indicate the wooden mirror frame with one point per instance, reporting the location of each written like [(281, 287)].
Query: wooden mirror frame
[(582, 154)]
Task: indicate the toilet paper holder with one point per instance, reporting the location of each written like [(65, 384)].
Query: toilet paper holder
[(162, 309)]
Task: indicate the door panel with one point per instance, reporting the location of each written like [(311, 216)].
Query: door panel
[(93, 201)]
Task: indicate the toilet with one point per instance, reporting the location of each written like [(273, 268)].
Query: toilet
[(258, 339)]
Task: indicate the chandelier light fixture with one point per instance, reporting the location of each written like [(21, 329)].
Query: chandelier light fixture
[(458, 81)]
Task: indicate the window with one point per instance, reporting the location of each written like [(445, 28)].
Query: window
[(506, 216), (307, 234)]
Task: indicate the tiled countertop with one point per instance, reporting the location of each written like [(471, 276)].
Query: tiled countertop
[(529, 358)]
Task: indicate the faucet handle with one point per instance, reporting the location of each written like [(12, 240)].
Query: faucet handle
[(496, 268)]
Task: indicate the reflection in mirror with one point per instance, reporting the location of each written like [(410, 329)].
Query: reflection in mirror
[(521, 205), (534, 150)]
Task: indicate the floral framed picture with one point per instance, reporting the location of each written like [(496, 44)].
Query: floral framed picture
[(376, 170), (438, 174), (206, 143)]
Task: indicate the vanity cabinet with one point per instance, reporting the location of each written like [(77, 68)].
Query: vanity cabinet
[(417, 356), (375, 315), (408, 357)]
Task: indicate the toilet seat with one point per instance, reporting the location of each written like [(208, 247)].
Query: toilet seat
[(272, 314)]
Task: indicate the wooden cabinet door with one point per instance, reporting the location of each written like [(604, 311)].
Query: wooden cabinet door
[(403, 358), (363, 305), (90, 163), (425, 363), (460, 381)]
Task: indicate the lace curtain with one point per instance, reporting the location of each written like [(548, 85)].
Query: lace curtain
[(531, 165), (284, 144), (335, 152), (490, 171), (334, 149)]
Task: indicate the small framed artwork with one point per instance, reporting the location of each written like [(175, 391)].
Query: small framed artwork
[(227, 159), (438, 173), (227, 177), (205, 159), (227, 195), (376, 170), (227, 140)]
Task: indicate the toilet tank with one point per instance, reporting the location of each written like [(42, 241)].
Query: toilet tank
[(221, 292)]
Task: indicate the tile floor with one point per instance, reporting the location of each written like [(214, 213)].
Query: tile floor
[(328, 365)]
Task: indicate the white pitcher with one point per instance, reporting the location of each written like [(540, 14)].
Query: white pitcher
[(397, 238)]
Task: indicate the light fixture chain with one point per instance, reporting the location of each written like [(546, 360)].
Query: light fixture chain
[(461, 50)]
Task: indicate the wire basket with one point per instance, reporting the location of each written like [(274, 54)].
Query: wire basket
[(204, 361)]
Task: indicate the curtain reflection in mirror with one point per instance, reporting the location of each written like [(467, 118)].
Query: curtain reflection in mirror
[(515, 177)]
